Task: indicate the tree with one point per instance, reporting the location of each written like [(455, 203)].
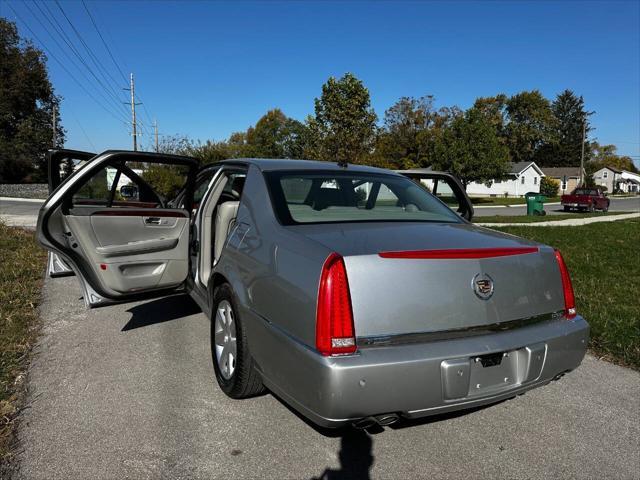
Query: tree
[(276, 136), (549, 186), (344, 127), (471, 150), (606, 156), (27, 101), (529, 125), (405, 140), (494, 109), (565, 144)]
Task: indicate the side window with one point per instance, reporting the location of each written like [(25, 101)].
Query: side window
[(95, 191), (132, 185), (202, 185)]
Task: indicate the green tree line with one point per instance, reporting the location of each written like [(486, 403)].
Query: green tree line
[(476, 144)]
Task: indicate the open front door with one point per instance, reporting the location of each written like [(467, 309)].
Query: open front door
[(61, 164), (444, 186), (112, 223)]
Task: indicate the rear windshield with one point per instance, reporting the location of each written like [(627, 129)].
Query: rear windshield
[(327, 197), (584, 191)]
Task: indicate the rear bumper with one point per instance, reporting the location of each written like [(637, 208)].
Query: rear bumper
[(416, 380)]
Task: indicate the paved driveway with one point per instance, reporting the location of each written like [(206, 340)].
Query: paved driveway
[(127, 392)]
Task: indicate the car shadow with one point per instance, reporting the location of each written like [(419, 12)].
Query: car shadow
[(161, 310), (356, 457)]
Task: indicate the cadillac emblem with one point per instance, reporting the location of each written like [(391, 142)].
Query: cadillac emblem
[(482, 285)]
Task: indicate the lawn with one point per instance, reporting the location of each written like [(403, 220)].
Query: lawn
[(535, 219), (22, 264), (604, 262)]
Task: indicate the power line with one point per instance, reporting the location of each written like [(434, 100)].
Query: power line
[(42, 44), (62, 49), (53, 21), (92, 56), (106, 46)]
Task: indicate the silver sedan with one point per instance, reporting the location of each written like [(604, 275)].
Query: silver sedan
[(353, 293)]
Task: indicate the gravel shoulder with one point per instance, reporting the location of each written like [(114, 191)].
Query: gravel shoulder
[(127, 391)]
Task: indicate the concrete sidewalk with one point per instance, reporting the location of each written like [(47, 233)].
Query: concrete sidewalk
[(570, 222)]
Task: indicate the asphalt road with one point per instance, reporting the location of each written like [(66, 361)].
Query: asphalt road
[(127, 391), (628, 204)]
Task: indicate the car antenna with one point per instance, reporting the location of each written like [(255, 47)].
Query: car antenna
[(342, 164)]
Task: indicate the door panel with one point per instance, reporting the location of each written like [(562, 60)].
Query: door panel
[(128, 254), (118, 247)]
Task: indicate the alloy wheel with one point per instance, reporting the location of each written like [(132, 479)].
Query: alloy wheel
[(225, 339)]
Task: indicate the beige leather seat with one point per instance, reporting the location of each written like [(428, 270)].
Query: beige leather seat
[(225, 219)]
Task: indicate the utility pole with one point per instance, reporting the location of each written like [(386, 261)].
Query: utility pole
[(155, 132), (54, 123), (584, 134), (134, 132)]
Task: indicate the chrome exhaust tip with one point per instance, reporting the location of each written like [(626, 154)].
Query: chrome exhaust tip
[(387, 419), (364, 423)]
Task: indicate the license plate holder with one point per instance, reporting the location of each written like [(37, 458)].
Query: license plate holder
[(493, 372)]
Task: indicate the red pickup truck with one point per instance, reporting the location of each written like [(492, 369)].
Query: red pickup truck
[(585, 199)]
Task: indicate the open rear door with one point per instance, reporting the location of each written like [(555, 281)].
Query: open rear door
[(61, 164), (112, 223), (444, 186)]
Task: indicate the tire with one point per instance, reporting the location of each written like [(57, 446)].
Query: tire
[(567, 209), (605, 209), (236, 374)]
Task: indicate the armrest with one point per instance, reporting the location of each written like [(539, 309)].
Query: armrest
[(134, 248)]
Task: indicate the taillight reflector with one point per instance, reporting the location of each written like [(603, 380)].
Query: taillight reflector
[(567, 287), (335, 334)]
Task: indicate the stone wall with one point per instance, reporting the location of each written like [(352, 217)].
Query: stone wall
[(24, 190)]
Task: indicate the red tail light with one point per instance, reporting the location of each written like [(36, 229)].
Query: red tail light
[(335, 334), (569, 299)]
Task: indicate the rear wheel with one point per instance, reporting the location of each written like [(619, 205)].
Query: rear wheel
[(605, 209), (235, 368), (567, 209)]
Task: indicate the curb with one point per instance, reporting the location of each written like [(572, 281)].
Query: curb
[(17, 199), (570, 222)]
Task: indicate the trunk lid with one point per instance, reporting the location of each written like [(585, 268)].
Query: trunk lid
[(392, 296)]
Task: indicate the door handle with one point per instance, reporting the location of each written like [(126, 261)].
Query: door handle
[(152, 220)]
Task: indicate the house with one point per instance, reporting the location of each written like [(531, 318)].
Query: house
[(567, 177), (522, 177), (629, 182)]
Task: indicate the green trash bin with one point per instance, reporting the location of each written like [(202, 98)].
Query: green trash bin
[(535, 204)]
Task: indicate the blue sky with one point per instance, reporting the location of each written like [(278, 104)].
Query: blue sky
[(206, 69)]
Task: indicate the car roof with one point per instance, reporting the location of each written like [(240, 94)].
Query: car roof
[(274, 164)]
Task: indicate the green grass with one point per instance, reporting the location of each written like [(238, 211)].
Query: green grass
[(535, 219), (604, 262), (22, 263)]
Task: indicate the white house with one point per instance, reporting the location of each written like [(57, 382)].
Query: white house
[(617, 180), (523, 177), (630, 182)]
